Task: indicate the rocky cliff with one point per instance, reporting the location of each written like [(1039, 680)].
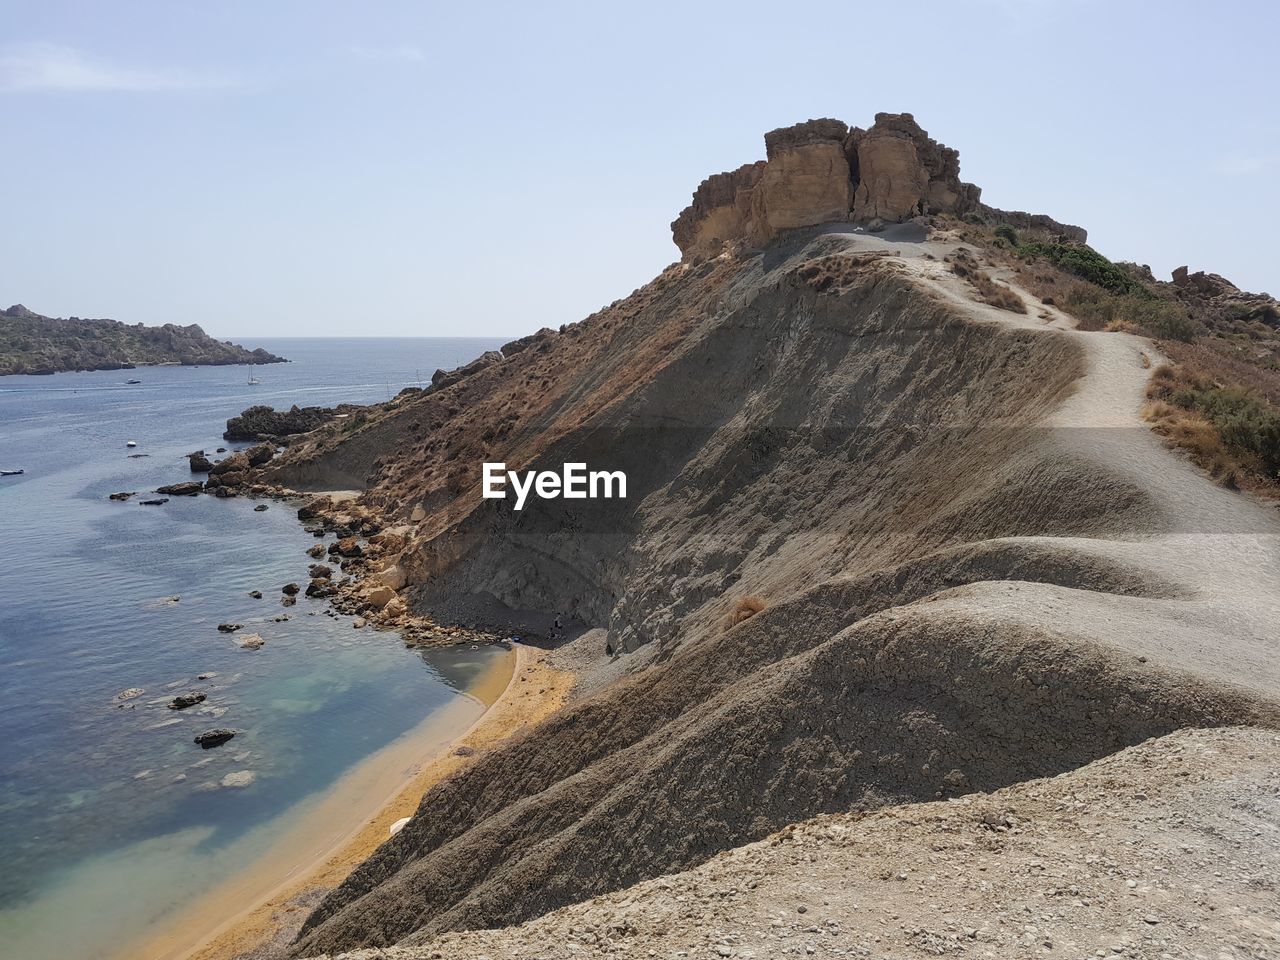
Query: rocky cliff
[(823, 171), (32, 343)]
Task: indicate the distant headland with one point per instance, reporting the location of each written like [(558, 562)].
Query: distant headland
[(32, 343)]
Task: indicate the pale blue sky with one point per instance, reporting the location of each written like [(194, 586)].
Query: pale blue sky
[(313, 167)]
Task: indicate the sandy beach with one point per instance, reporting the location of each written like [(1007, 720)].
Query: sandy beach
[(266, 905)]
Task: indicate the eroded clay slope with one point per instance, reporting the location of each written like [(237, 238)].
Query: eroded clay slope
[(973, 577)]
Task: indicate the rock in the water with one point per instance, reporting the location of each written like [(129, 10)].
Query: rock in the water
[(158, 502), (262, 421), (316, 552), (122, 495), (224, 492), (240, 778), (237, 462), (184, 700), (250, 641), (290, 589), (261, 508), (288, 601), (229, 627), (320, 571), (131, 694), (214, 738), (199, 462), (321, 587), (188, 488), (256, 594)]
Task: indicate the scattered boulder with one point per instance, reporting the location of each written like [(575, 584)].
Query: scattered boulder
[(239, 779), (289, 589), (321, 587), (346, 547), (184, 700), (320, 571), (261, 508), (122, 495), (394, 577), (188, 488), (214, 738), (158, 502), (258, 422), (260, 454), (199, 462), (379, 595), (250, 641), (237, 462), (224, 492), (229, 627), (288, 601), (316, 552), (314, 508), (131, 694), (256, 594)]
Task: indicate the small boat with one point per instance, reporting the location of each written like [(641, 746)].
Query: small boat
[(11, 473), (133, 381), (253, 381), (132, 443)]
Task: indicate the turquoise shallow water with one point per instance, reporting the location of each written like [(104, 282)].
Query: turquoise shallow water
[(94, 793)]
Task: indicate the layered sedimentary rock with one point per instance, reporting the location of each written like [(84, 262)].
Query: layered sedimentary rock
[(822, 171)]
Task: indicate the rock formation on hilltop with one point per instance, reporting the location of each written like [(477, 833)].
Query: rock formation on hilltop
[(822, 171), (32, 343)]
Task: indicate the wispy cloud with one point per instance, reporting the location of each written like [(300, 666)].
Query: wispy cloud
[(405, 53), (47, 67)]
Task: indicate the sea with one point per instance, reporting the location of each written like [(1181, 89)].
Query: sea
[(111, 816)]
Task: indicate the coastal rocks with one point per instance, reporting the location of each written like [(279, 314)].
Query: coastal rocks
[(250, 641), (321, 587), (214, 738), (256, 594), (131, 694), (320, 571), (188, 488), (239, 779), (199, 462), (259, 455), (235, 463), (261, 508), (316, 552), (394, 577), (184, 700), (346, 547), (379, 595), (315, 509), (122, 495), (229, 627), (157, 502), (259, 422), (290, 589)]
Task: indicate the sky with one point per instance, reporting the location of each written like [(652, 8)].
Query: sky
[(325, 168)]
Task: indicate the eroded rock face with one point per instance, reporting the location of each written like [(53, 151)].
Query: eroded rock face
[(821, 171)]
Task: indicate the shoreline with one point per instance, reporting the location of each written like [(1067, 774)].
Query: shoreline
[(265, 907)]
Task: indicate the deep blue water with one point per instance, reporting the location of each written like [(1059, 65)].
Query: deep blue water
[(83, 616)]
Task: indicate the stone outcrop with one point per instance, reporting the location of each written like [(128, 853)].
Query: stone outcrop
[(822, 171)]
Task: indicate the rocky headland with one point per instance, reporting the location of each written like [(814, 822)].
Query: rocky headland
[(911, 634), (36, 344)]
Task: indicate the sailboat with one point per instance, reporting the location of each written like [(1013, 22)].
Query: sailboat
[(252, 379)]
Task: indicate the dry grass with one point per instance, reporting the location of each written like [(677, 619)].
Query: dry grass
[(745, 609), (1226, 430), (989, 291)]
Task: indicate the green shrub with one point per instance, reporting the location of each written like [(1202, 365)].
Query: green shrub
[(1160, 319), (1245, 421), (1008, 233), (1087, 264)]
